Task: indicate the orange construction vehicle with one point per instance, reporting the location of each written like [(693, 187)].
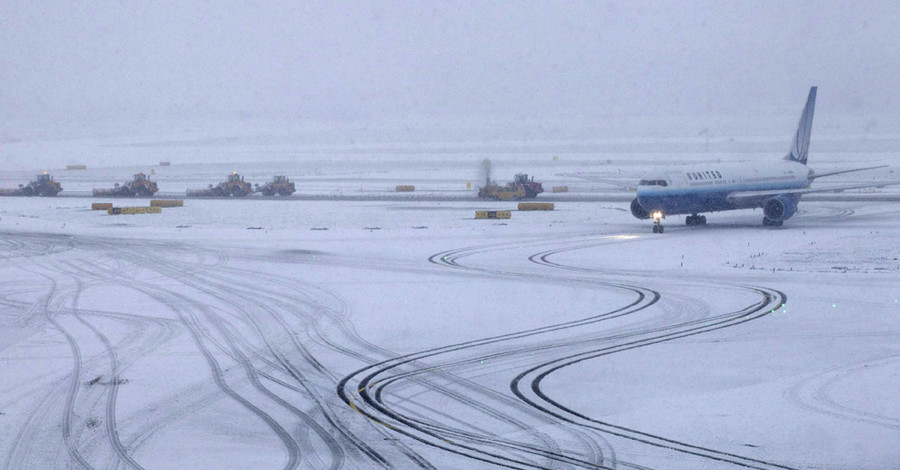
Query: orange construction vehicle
[(279, 185), (139, 186), (520, 188), (234, 186), (41, 185)]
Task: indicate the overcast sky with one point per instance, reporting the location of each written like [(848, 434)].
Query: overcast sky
[(309, 60)]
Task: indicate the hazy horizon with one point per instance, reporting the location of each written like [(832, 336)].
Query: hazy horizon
[(69, 65)]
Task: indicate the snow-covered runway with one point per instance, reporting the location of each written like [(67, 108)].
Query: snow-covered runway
[(297, 334), (368, 320)]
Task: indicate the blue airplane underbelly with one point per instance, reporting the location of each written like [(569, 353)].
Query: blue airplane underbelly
[(686, 203)]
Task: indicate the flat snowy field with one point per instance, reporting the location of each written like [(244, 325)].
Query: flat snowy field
[(274, 334)]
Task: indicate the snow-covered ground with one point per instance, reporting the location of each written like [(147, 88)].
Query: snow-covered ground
[(407, 334)]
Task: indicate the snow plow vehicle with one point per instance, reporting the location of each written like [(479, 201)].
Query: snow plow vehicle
[(520, 188), (41, 185), (279, 185), (234, 186), (139, 186)]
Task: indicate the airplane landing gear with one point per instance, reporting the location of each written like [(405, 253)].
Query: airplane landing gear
[(773, 223), (695, 220), (657, 217)]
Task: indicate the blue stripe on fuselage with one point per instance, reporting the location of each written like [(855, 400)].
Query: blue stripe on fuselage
[(701, 199), (691, 203)]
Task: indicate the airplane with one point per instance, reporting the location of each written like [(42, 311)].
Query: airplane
[(775, 186)]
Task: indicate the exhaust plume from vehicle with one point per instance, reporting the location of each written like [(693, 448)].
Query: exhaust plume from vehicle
[(486, 170)]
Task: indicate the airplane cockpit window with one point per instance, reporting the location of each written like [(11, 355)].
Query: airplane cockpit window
[(653, 183)]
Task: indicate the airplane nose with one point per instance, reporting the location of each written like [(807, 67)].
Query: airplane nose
[(638, 211)]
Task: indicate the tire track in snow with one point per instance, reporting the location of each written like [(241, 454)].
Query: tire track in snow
[(370, 382), (214, 286), (191, 321), (257, 297), (121, 452), (814, 394), (77, 450), (71, 393), (217, 291), (771, 301), (186, 318)]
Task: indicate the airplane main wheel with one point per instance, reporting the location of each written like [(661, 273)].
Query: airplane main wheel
[(656, 229), (661, 229), (695, 220)]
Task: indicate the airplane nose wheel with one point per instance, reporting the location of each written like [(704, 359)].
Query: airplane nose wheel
[(657, 221)]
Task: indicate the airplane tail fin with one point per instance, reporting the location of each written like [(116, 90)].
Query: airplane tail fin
[(800, 146)]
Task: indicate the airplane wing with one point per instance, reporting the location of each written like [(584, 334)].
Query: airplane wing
[(819, 175), (761, 196)]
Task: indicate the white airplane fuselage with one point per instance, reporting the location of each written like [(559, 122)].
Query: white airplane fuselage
[(705, 188), (774, 186)]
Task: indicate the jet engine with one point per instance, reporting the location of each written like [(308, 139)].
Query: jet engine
[(780, 208), (638, 211)]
